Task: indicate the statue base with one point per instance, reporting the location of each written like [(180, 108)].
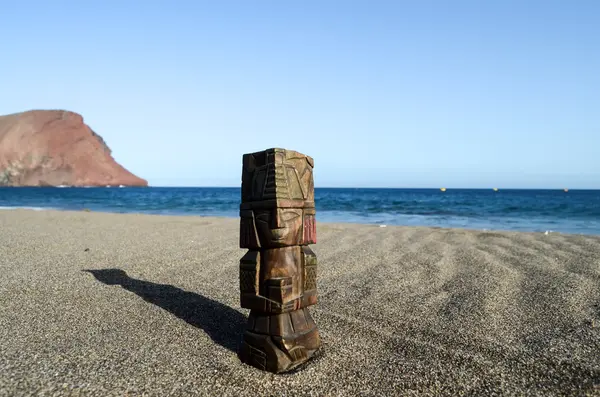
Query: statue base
[(279, 342)]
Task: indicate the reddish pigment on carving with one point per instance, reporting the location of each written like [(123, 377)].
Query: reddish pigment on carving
[(310, 230)]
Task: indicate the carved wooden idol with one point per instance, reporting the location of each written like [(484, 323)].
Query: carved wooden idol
[(278, 275)]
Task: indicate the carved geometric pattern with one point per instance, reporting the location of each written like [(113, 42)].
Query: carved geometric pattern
[(310, 282), (277, 174), (298, 354), (258, 357)]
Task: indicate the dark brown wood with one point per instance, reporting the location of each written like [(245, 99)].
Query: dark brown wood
[(278, 274)]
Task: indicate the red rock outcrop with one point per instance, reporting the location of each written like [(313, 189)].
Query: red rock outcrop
[(55, 147)]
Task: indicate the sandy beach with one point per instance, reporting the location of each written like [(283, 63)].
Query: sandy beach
[(125, 304)]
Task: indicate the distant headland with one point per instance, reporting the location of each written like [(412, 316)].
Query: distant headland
[(56, 148)]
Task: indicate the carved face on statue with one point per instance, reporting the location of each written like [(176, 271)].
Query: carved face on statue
[(279, 226), (277, 207)]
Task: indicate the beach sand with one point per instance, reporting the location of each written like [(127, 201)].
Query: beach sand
[(127, 304)]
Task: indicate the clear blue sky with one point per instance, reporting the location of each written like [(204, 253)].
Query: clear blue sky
[(381, 93)]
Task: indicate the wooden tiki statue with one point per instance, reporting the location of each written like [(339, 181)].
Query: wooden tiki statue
[(278, 274)]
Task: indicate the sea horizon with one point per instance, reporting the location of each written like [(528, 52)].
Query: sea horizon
[(316, 187), (399, 188)]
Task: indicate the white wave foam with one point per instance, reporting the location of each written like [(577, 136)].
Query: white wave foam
[(26, 208)]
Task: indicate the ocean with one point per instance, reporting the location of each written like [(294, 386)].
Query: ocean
[(575, 211)]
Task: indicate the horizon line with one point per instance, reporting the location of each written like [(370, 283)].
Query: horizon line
[(389, 187)]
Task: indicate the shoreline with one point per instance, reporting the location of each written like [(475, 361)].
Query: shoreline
[(382, 225), (113, 304), (526, 211)]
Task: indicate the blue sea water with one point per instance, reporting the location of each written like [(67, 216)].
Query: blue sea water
[(575, 211)]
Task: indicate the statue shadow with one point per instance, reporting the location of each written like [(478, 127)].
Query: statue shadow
[(222, 323)]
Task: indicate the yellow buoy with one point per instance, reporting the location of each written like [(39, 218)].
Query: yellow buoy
[(443, 189), (495, 189)]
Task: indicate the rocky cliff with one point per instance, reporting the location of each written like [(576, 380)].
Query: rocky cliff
[(55, 147)]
